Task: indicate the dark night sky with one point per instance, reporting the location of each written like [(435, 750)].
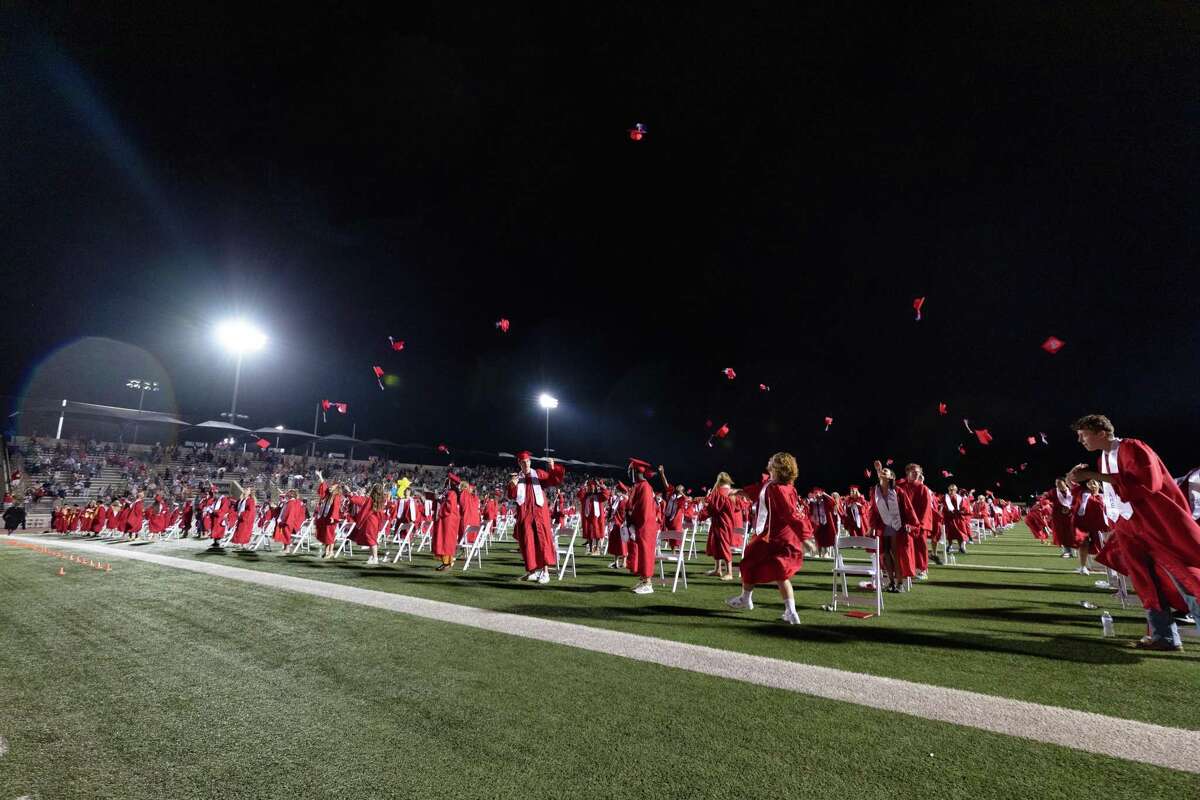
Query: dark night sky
[(1032, 170)]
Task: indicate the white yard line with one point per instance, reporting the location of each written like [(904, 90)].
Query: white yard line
[(1080, 730)]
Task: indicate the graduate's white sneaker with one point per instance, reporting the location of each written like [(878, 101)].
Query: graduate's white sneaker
[(613, 565), (740, 602), (791, 618), (543, 577), (643, 588), (533, 576), (1083, 571), (923, 576)]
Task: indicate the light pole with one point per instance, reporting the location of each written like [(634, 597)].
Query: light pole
[(278, 428), (547, 402), (239, 337), (140, 385)]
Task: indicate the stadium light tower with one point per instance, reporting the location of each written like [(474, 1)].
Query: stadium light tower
[(547, 402), (239, 337), (141, 386)]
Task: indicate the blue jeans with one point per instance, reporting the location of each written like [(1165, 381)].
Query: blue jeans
[(1162, 623)]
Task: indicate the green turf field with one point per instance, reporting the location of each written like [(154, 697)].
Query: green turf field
[(150, 682), (1010, 633)]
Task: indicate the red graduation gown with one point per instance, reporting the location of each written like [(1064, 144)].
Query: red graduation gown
[(133, 518), (1161, 532), (328, 515), (468, 503), (367, 522), (445, 531), (824, 532), (777, 554), (641, 515), (245, 520), (532, 530), (291, 517), (719, 508), (593, 507), (902, 542)]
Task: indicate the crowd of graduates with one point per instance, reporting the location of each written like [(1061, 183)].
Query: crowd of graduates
[(1127, 513)]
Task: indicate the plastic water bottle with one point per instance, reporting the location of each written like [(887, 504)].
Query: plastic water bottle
[(1107, 624)]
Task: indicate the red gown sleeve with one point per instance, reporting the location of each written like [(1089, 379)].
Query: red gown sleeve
[(1138, 474)]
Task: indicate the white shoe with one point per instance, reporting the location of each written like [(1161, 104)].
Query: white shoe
[(543, 577), (739, 602), (533, 576), (613, 565), (791, 618), (1083, 571), (923, 576), (644, 588), (372, 562)]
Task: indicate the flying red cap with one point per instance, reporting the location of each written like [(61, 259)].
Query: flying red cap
[(523, 455)]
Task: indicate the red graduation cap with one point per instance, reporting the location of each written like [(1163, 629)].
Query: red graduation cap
[(722, 431), (828, 422), (378, 370), (263, 444), (639, 466), (441, 448), (983, 436), (342, 407), (708, 423), (503, 324), (1031, 440), (947, 473), (962, 451), (762, 387), (325, 405), (397, 344), (917, 303), (888, 462), (853, 486), (523, 455), (1023, 466), (729, 373), (1052, 345), (1010, 470), (942, 409), (637, 132)]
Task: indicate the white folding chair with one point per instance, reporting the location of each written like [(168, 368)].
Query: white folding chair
[(424, 537), (262, 535), (565, 553), (670, 555), (303, 536), (342, 538), (740, 542), (474, 538), (841, 570)]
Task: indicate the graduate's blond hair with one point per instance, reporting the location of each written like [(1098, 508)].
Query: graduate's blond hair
[(784, 466)]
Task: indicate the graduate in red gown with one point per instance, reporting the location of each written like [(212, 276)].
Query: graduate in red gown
[(822, 515), (368, 521), (290, 518), (957, 519), (132, 523), (246, 511), (854, 512), (673, 510), (892, 518), (469, 516), (446, 527), (99, 519), (776, 552), (328, 515), (1062, 518), (720, 507), (641, 522), (920, 497), (532, 531), (1159, 539), (1091, 522), (618, 536), (593, 510)]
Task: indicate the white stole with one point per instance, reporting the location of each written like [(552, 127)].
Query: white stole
[(1113, 504), (761, 513), (538, 496)]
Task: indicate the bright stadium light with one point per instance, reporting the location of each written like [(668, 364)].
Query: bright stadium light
[(547, 402), (239, 337)]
